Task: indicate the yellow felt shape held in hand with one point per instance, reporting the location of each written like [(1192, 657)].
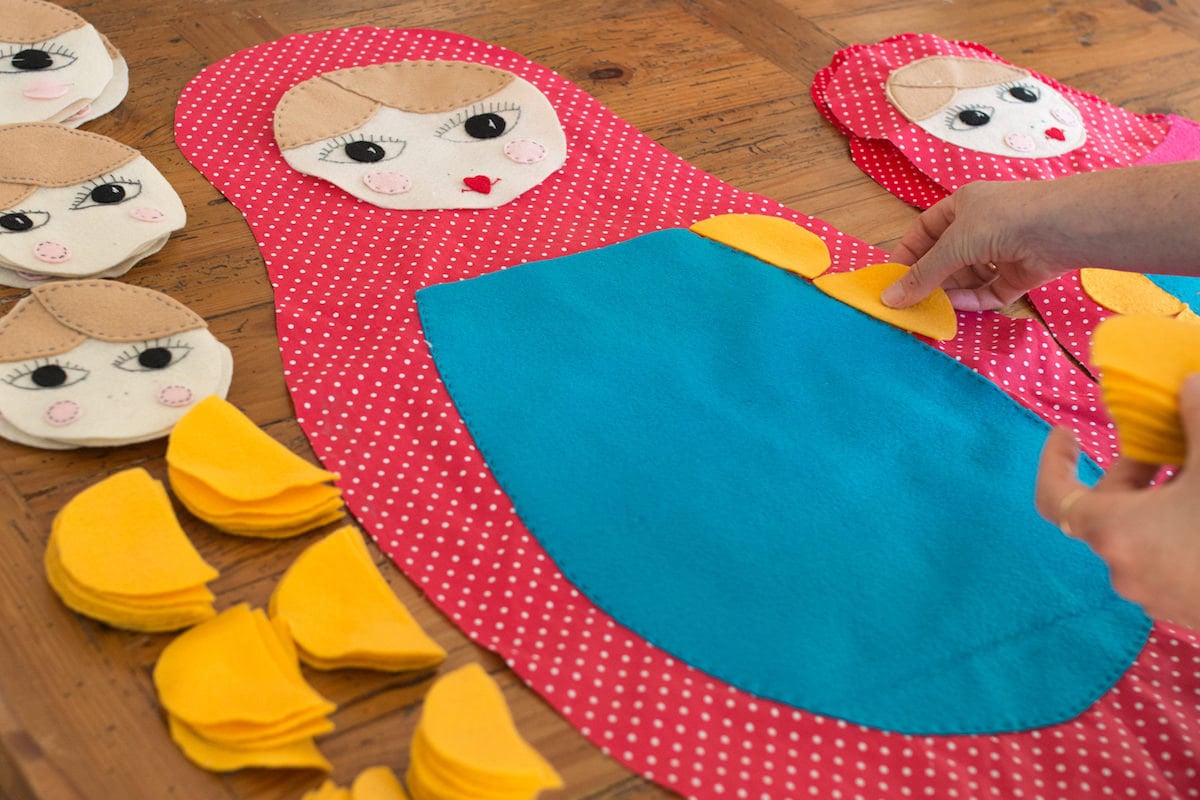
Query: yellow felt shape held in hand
[(235, 696), (1129, 293), (775, 240), (231, 473), (1143, 361), (933, 317), (116, 553), (341, 612), (467, 746)]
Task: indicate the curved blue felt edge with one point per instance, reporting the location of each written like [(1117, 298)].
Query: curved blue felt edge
[(1108, 631)]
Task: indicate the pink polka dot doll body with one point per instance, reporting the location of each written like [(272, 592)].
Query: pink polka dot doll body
[(345, 271)]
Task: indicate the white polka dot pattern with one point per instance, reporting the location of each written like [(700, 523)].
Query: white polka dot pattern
[(368, 396)]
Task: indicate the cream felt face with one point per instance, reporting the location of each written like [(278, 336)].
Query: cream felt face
[(1020, 118), (52, 79), (481, 154), (111, 392), (100, 226)]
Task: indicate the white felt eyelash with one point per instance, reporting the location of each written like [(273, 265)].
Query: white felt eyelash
[(1005, 88), (952, 113), (350, 138), (472, 111), (85, 191), (47, 47), (30, 367), (135, 350)]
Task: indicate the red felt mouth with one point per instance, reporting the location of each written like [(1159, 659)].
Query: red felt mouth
[(1056, 134), (479, 183)]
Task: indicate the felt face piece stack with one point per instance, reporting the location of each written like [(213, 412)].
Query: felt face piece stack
[(75, 204), (98, 364), (55, 67), (345, 298), (924, 115)]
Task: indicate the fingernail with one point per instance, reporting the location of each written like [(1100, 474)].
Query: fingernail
[(893, 295)]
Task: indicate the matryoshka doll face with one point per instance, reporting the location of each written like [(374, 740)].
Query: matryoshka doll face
[(53, 64), (500, 141), (78, 227)]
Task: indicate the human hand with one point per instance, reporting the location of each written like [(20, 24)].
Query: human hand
[(983, 245), (1148, 535)]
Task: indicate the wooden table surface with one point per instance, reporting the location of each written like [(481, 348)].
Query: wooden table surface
[(722, 83)]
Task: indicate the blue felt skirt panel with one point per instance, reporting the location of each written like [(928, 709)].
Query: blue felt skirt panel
[(800, 500)]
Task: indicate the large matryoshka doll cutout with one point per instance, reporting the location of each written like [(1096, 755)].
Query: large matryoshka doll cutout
[(422, 134), (75, 204), (54, 66), (428, 351), (99, 363), (925, 115)]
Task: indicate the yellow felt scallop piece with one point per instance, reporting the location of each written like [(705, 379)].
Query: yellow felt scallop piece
[(121, 536), (328, 791), (470, 731), (302, 754), (440, 778), (1143, 361), (1128, 293), (933, 317), (775, 240), (231, 669), (293, 505), (377, 783), (341, 612), (217, 444)]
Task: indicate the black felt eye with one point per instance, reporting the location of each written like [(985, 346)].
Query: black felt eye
[(16, 222), (48, 376), (973, 117), (365, 152), (108, 193), (1025, 94), (155, 357), (32, 59), (485, 126)]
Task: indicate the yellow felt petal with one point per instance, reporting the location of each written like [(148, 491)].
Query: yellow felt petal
[(451, 779), (468, 726), (774, 240), (209, 755), (1187, 315), (327, 791), (225, 670), (295, 504), (377, 783), (121, 535), (933, 317), (257, 736), (217, 444), (1128, 293), (1143, 361), (340, 609)]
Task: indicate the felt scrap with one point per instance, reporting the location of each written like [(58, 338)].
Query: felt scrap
[(342, 613), (96, 363), (377, 783), (231, 473), (933, 317), (775, 240), (1143, 361), (1128, 293), (116, 552), (466, 744), (233, 690)]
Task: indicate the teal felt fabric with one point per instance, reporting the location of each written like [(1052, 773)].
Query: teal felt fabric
[(779, 490)]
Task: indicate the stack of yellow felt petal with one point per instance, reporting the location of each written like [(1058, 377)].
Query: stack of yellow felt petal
[(235, 697), (373, 783), (341, 612), (1143, 361), (466, 745), (116, 553), (230, 473)]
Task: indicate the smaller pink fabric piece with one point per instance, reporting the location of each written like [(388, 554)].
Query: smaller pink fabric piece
[(51, 252), (45, 89), (387, 182), (147, 214), (63, 412)]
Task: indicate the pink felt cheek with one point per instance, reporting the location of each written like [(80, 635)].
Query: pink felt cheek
[(63, 413), (387, 182), (1064, 114), (51, 252), (1019, 142), (525, 151), (175, 396), (45, 89), (147, 214)]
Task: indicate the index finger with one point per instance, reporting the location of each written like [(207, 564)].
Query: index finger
[(1058, 486)]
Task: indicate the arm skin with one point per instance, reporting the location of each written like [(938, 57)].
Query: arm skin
[(1140, 219)]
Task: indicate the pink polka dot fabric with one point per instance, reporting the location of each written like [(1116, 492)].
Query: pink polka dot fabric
[(369, 398)]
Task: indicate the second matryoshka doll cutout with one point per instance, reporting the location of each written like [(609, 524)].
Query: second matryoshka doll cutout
[(101, 363), (75, 204), (54, 66), (422, 134)]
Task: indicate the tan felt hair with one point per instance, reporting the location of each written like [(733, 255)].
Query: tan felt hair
[(46, 154), (926, 86), (33, 21)]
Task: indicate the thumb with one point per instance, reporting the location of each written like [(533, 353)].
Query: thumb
[(921, 279), (1189, 414)]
